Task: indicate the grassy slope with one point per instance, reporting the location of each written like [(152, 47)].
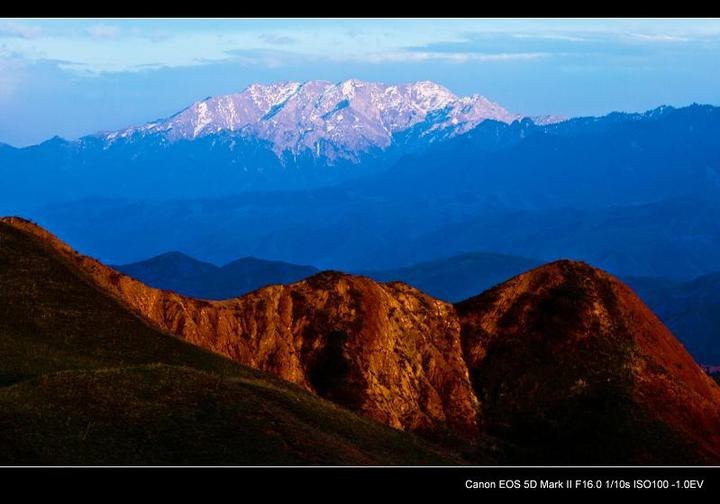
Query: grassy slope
[(84, 381)]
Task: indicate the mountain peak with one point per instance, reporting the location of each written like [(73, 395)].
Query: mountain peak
[(597, 339), (339, 120), (270, 95)]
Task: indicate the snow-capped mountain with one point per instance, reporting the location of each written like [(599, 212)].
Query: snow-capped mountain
[(329, 120)]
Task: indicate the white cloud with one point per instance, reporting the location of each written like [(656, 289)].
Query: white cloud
[(24, 31), (277, 39), (450, 57), (11, 75), (658, 37), (550, 36), (103, 31), (100, 47)]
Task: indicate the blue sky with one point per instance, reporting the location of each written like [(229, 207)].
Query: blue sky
[(75, 77)]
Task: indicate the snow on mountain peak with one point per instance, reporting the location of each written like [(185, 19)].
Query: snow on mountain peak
[(334, 120), (268, 96), (347, 88), (431, 96)]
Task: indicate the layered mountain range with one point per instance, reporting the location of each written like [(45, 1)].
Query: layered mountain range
[(397, 182), (287, 135), (562, 364), (613, 190), (86, 379)]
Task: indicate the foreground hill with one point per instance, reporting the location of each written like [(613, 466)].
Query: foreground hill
[(183, 274), (562, 364), (689, 309), (568, 362), (386, 350), (84, 380)]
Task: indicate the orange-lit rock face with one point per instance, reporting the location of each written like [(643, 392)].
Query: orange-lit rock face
[(566, 351), (563, 361), (386, 350)]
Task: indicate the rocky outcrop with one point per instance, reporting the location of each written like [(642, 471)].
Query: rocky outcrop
[(568, 359), (386, 350)]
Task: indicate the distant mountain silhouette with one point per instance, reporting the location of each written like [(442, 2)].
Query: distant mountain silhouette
[(452, 279), (562, 364), (183, 274), (613, 190), (458, 277), (677, 238), (691, 310)]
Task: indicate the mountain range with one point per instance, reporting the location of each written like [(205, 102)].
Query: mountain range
[(688, 308), (633, 193), (561, 364), (451, 195), (181, 273), (87, 380), (288, 135), (330, 120), (452, 279)]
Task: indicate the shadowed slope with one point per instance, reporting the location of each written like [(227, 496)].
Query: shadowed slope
[(691, 310), (171, 415)]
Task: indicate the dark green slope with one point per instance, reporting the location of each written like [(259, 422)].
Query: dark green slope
[(169, 415), (85, 381), (53, 319)]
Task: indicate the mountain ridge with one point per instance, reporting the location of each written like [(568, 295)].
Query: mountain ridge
[(687, 308), (563, 362), (345, 118), (493, 160), (296, 331), (86, 381), (600, 339)]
